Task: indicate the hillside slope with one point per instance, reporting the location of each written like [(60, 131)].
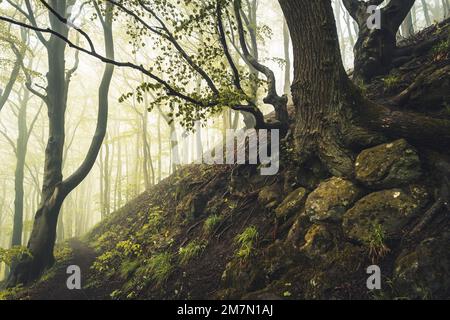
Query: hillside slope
[(220, 232)]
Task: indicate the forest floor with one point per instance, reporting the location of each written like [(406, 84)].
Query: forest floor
[(220, 232), (53, 286)]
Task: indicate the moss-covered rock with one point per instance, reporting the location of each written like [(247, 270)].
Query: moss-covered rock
[(331, 199), (390, 210), (298, 230), (270, 196), (388, 165), (292, 203), (339, 275), (318, 241), (424, 273)]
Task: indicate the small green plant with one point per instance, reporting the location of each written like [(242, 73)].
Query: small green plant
[(128, 268), (129, 248), (391, 82), (7, 256), (362, 86), (105, 262), (377, 243), (211, 223), (247, 242), (160, 267), (191, 251), (441, 49), (11, 293)]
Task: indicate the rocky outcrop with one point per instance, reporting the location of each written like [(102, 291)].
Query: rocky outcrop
[(331, 199), (390, 210), (388, 165)]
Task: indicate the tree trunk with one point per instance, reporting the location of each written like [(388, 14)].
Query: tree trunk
[(320, 84), (102, 185), (159, 148), (55, 190), (333, 119), (118, 186), (408, 26), (426, 13), (287, 58), (43, 236), (349, 29), (106, 182), (375, 48), (21, 152)]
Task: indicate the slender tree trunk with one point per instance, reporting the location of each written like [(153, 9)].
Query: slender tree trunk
[(287, 59), (408, 26), (137, 165), (159, 148), (5, 93), (426, 12), (118, 187), (147, 163), (349, 29), (446, 6), (55, 190), (21, 152), (43, 236), (102, 185), (107, 176)]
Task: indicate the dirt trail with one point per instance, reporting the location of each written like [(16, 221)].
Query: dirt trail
[(55, 288)]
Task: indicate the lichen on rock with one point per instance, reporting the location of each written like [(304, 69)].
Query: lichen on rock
[(292, 203), (388, 165), (318, 240), (390, 209), (331, 199)]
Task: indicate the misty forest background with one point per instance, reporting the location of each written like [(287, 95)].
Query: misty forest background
[(138, 150)]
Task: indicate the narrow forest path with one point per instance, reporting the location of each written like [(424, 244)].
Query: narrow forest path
[(55, 286)]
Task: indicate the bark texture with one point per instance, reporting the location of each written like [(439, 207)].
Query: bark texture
[(376, 48)]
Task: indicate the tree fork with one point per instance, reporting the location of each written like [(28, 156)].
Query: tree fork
[(376, 48)]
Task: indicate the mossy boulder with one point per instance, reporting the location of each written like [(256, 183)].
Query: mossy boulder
[(339, 275), (318, 241), (331, 199), (298, 230), (270, 196), (292, 203), (390, 210), (388, 165), (424, 273)]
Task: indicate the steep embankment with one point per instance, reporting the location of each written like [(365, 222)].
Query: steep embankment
[(227, 232)]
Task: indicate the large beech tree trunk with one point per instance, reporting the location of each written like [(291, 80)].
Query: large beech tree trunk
[(321, 88), (333, 119)]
